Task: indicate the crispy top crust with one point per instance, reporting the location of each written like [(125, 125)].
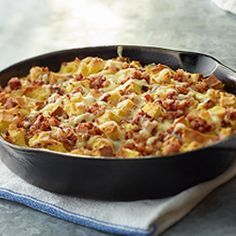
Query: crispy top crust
[(115, 108)]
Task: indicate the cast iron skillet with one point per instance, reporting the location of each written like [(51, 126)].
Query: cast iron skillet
[(116, 179)]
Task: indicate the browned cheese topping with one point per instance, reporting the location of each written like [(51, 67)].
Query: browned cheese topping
[(115, 108)]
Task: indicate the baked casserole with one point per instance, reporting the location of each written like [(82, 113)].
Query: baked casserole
[(115, 108)]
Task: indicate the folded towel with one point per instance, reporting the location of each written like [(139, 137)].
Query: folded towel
[(144, 217), (227, 5)]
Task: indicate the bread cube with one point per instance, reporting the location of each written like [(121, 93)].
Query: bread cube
[(17, 136), (40, 93), (5, 120), (229, 100), (69, 67), (102, 145), (114, 97), (95, 65), (125, 107), (83, 69), (71, 109), (36, 72), (152, 109), (111, 130), (76, 97), (108, 116), (217, 110), (128, 153), (163, 77), (58, 147), (135, 87)]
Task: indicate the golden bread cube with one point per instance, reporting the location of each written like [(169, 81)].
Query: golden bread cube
[(5, 120), (73, 86), (189, 135), (190, 146), (77, 97), (83, 152), (108, 116), (194, 77), (6, 115), (97, 142), (152, 109), (17, 136), (58, 147), (34, 141), (229, 100), (69, 67), (114, 97), (129, 127), (111, 130), (95, 65), (85, 83), (35, 72), (217, 110), (38, 138), (135, 64), (83, 69), (24, 112), (79, 151), (71, 109), (205, 115), (49, 108), (40, 93), (69, 88), (135, 87), (4, 126), (102, 146), (125, 107), (164, 76), (44, 140), (128, 153), (224, 132), (55, 78)]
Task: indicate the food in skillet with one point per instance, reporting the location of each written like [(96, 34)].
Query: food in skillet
[(116, 108)]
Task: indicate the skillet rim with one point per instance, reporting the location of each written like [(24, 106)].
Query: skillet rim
[(85, 157), (131, 46)]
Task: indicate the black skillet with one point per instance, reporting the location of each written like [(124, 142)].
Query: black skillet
[(121, 179)]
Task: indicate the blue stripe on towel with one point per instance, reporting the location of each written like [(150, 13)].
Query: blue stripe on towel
[(72, 217)]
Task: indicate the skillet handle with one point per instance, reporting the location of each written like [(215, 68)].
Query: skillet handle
[(222, 71), (227, 76)]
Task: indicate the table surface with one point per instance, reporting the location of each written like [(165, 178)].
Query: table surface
[(28, 28)]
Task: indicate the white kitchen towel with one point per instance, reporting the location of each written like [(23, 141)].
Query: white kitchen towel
[(227, 5), (145, 217)]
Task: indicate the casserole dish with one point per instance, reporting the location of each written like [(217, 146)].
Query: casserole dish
[(121, 179)]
